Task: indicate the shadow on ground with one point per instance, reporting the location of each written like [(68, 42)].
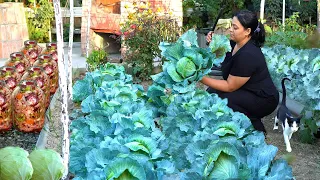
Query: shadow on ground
[(304, 158)]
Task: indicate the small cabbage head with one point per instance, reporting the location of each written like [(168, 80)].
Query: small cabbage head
[(14, 164), (47, 164)]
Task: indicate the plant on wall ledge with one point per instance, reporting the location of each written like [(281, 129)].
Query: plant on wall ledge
[(39, 20), (142, 31)]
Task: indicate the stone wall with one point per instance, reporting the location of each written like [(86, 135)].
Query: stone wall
[(106, 16), (13, 28)]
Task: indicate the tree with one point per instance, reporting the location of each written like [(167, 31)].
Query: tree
[(62, 87)]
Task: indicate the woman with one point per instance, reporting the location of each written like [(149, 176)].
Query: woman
[(246, 80)]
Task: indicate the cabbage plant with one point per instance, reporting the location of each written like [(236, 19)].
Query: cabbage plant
[(186, 63), (14, 164), (47, 164)]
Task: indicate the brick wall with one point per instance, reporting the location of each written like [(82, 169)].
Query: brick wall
[(13, 28), (106, 16)]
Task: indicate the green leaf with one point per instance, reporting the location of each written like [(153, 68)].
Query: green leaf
[(214, 153), (225, 167), (280, 170), (305, 136), (123, 168), (189, 38), (171, 69), (135, 146)]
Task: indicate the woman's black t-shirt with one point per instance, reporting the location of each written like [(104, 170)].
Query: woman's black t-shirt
[(249, 61)]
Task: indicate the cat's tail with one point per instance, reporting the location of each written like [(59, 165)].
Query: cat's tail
[(284, 92)]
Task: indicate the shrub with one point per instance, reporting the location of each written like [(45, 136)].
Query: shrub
[(142, 31)]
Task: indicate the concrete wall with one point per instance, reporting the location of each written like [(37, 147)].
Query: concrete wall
[(13, 28)]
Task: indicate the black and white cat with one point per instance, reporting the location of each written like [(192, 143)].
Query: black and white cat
[(289, 123)]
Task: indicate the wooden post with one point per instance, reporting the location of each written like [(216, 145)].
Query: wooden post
[(283, 12), (62, 88), (262, 3), (88, 29), (318, 18), (70, 53)]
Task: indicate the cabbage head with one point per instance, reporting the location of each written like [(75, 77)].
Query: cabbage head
[(15, 167), (10, 150), (186, 63), (185, 67), (47, 164)]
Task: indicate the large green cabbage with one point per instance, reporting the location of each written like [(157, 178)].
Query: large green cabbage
[(14, 164), (47, 164), (187, 63)]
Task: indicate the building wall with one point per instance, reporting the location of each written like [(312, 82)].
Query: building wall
[(13, 28), (106, 16)]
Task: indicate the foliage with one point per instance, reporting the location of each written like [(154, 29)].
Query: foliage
[(66, 29), (231, 6), (186, 63), (122, 133), (16, 163), (291, 24), (306, 9), (205, 10), (303, 68), (143, 30), (93, 80), (194, 14), (294, 35), (96, 58), (39, 20)]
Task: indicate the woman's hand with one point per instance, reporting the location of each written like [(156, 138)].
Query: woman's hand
[(209, 36)]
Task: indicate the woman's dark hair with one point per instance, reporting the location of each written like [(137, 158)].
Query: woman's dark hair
[(249, 20)]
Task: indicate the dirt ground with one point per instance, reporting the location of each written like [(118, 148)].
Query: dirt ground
[(304, 158)]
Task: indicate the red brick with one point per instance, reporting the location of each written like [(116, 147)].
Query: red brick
[(16, 46), (1, 54), (8, 31), (24, 34), (1, 15), (5, 16), (15, 33), (11, 16)]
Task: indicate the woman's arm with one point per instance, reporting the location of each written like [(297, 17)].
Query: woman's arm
[(233, 83)]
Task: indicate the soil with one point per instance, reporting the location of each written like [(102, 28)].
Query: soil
[(304, 158), (16, 138)]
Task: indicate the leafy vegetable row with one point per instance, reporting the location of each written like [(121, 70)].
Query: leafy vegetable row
[(172, 131), (303, 68)]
